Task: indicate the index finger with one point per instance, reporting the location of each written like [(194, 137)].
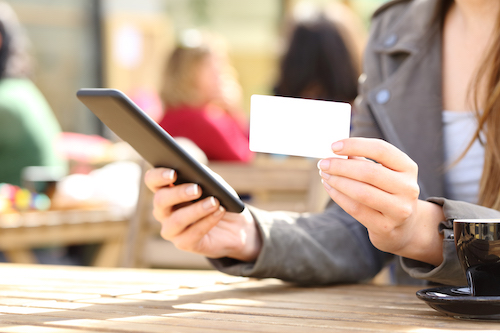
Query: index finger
[(157, 178), (375, 149)]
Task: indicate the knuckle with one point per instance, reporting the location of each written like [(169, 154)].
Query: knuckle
[(412, 191), (178, 243), (165, 232), (379, 151), (159, 214), (405, 211), (354, 210), (415, 191), (184, 243), (413, 167), (364, 196), (371, 172), (158, 200), (174, 223)]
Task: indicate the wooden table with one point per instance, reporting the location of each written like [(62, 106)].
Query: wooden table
[(36, 298), (22, 232)]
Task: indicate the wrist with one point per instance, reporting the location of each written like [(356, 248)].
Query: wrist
[(426, 243), (251, 240), (253, 245)]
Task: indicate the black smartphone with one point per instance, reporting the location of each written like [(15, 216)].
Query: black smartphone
[(153, 143)]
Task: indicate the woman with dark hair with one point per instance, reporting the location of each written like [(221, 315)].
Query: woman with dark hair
[(323, 54), (28, 128), (318, 63)]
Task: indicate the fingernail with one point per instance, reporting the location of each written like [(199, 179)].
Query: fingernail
[(324, 164), (209, 203), (336, 146), (169, 174), (219, 211), (192, 190)]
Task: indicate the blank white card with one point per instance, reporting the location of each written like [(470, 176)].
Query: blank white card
[(296, 126)]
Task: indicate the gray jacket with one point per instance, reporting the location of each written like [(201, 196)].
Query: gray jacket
[(399, 101)]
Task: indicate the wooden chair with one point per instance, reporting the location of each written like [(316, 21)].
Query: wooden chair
[(267, 183), (275, 183), (22, 232)]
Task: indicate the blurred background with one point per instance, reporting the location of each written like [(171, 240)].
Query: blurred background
[(100, 204), (123, 43)]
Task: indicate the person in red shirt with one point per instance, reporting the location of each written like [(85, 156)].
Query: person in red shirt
[(199, 95)]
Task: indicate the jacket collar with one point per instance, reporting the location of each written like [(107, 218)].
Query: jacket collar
[(411, 28)]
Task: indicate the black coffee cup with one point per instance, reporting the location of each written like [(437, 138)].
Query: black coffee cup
[(478, 248)]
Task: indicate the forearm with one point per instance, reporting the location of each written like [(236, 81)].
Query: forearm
[(330, 247)]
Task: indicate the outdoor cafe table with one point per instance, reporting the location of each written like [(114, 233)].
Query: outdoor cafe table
[(38, 298)]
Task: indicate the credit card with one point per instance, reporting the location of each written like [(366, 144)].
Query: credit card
[(297, 126)]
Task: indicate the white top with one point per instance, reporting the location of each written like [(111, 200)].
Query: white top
[(461, 180)]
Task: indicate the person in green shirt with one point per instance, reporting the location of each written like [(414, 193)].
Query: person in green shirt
[(28, 127)]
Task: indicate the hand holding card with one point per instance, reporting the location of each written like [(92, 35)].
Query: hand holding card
[(296, 126)]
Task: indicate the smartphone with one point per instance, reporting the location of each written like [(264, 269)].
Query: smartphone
[(153, 143)]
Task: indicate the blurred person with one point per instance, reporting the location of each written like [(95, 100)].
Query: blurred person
[(322, 58), (29, 131), (28, 127), (201, 101)]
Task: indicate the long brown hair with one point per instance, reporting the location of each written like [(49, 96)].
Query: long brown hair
[(489, 122)]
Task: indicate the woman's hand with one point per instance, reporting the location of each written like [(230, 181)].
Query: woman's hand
[(203, 227), (383, 196)]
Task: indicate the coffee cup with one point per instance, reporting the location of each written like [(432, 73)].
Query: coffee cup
[(478, 248)]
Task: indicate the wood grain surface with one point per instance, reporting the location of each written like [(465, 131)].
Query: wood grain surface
[(38, 298)]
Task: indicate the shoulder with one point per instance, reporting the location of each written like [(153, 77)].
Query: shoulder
[(408, 19), (391, 5), (406, 10), (17, 84), (20, 91), (11, 93), (396, 7)]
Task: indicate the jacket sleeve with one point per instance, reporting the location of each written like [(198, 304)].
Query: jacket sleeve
[(450, 271), (330, 247)]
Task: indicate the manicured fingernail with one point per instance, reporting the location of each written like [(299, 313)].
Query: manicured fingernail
[(209, 203), (192, 190), (169, 174), (219, 211), (324, 164), (336, 146)]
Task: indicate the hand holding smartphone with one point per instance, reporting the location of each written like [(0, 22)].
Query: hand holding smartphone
[(153, 143)]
